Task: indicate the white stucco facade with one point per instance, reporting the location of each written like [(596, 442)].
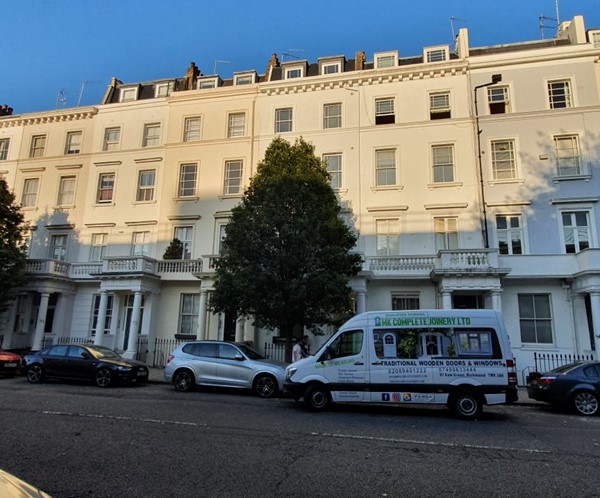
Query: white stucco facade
[(472, 175)]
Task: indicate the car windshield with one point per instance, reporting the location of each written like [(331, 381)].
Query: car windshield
[(565, 368), (101, 353), (250, 353)]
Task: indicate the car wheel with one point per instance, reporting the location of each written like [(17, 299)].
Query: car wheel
[(586, 403), (103, 377), (183, 380), (35, 373), (466, 405), (317, 398), (265, 386)]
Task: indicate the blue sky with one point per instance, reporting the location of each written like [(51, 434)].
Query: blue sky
[(49, 46)]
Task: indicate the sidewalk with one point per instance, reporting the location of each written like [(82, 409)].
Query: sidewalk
[(156, 377)]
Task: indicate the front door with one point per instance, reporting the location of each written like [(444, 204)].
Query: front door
[(128, 313), (467, 301), (229, 326)]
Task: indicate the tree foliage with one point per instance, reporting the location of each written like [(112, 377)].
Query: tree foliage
[(174, 250), (12, 249), (286, 257)]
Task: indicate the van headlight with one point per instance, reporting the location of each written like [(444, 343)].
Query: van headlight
[(289, 372)]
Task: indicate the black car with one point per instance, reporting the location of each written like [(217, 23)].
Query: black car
[(576, 385), (97, 363)]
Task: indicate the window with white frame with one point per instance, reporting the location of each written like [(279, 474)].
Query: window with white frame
[(446, 233), (334, 168), (443, 163), (222, 229), (437, 54), (73, 144), (503, 159), (244, 79), (384, 111), (387, 237), (236, 124), (498, 100), (509, 231), (405, 301), (232, 184), (283, 120), (145, 188), (188, 176), (107, 316), (559, 94), (162, 89), (439, 105), (185, 235), (58, 247), (191, 129), (129, 94), (595, 38), (332, 116), (576, 230), (112, 137), (99, 245), (140, 243), (568, 156), (66, 191), (106, 188), (388, 59), (4, 143), (535, 318), (189, 311), (38, 146), (331, 68), (30, 191), (385, 167), (207, 84), (293, 72), (151, 135)]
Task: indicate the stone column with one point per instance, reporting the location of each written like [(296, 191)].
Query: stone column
[(361, 302), (201, 334), (497, 300), (239, 330), (447, 300), (134, 327), (38, 338), (581, 335), (595, 299), (101, 322)]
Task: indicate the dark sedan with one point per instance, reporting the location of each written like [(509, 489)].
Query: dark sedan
[(576, 385), (9, 363), (96, 363)]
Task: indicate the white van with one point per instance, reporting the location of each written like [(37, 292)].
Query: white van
[(460, 358)]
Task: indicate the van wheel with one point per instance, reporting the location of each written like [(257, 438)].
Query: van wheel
[(466, 405), (317, 398)]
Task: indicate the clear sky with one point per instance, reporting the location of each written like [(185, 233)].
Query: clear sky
[(48, 46)]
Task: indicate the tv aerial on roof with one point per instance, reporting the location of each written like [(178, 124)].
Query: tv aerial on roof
[(217, 61), (556, 19), (452, 19), (290, 54)]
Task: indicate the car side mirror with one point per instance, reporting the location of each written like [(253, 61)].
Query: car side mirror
[(85, 356), (238, 357)]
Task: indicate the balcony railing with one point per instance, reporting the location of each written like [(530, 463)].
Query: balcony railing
[(180, 266), (405, 264), (47, 267), (129, 264)]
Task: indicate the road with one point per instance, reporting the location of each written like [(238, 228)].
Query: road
[(77, 440)]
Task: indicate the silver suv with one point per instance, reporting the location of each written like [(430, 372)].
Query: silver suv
[(225, 364)]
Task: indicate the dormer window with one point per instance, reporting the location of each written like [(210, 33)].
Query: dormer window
[(331, 65), (436, 54), (386, 59), (209, 82), (594, 37), (244, 79), (293, 73), (162, 89), (129, 94)]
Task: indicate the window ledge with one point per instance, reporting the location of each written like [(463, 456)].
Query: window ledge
[(432, 186), (194, 198), (104, 204), (585, 178), (519, 181), (66, 206), (385, 188), (230, 196), (143, 202)]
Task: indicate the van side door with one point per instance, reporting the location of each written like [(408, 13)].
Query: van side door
[(344, 364)]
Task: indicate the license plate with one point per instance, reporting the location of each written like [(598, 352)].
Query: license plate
[(10, 365), (142, 373)]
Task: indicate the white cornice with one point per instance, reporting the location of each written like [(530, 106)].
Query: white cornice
[(49, 117)]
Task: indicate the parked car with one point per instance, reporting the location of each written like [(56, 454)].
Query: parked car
[(576, 385), (225, 364), (9, 363), (13, 487), (72, 361)]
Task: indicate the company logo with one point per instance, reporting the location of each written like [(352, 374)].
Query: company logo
[(385, 396), (407, 397), (396, 397)]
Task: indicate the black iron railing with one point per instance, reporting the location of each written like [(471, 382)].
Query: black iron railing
[(548, 361)]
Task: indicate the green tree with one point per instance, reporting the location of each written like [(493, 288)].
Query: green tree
[(286, 257), (174, 250), (12, 248)]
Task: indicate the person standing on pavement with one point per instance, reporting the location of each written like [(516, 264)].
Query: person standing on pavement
[(298, 348)]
